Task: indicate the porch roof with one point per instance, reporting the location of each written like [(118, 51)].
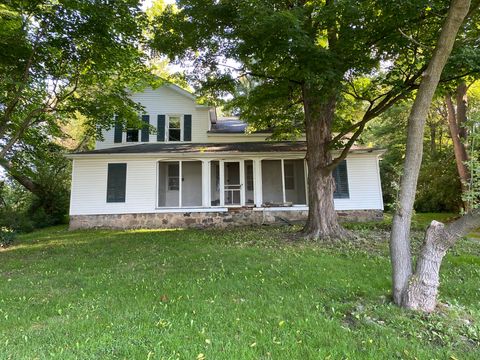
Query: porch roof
[(248, 147), (195, 148)]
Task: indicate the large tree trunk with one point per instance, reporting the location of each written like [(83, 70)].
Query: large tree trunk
[(456, 124), (322, 222), (421, 292), (400, 236)]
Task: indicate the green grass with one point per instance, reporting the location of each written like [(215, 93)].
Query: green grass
[(246, 293)]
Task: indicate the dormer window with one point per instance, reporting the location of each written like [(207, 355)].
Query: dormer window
[(174, 128), (132, 135)]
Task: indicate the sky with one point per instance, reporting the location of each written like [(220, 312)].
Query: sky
[(147, 3)]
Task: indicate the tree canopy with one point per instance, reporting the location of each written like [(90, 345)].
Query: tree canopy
[(328, 67), (61, 59)]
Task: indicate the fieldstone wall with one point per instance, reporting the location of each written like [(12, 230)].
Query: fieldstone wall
[(233, 217)]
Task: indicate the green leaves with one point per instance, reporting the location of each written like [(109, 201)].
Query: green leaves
[(62, 60), (277, 47)]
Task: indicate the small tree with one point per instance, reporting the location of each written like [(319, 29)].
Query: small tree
[(418, 290)]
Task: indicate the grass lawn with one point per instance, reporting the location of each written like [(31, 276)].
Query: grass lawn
[(245, 293)]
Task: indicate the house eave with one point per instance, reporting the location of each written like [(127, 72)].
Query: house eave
[(216, 155)]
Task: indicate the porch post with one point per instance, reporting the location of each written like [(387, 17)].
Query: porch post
[(257, 182), (206, 178), (222, 182)]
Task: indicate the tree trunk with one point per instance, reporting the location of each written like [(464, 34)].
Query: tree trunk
[(422, 289), (23, 180), (456, 121), (322, 222), (400, 236), (421, 292)]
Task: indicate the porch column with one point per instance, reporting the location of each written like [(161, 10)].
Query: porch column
[(222, 182), (257, 182), (206, 179)]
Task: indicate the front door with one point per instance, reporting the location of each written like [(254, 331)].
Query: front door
[(232, 183)]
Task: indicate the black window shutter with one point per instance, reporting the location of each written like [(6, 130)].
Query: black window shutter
[(187, 127), (341, 181), (161, 128), (116, 183), (117, 135), (145, 128)]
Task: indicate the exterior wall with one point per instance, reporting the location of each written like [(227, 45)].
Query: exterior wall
[(167, 101), (164, 101), (204, 220), (363, 183), (89, 184)]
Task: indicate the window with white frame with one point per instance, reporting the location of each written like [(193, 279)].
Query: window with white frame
[(174, 128), (132, 134)]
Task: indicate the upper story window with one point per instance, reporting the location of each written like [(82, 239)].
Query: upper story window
[(174, 128), (169, 128), (132, 135)]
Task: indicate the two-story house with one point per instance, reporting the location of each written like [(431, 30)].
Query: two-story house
[(197, 170)]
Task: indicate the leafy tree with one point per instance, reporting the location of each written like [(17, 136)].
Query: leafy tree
[(438, 186), (62, 59), (306, 61)]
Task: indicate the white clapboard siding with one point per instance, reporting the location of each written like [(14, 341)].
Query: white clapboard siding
[(89, 186), (165, 101), (363, 183)]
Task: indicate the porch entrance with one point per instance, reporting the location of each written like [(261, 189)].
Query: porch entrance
[(227, 183), (232, 183)]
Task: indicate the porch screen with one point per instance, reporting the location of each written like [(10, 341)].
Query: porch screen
[(179, 183), (283, 187), (249, 183), (294, 175), (272, 188), (215, 183)]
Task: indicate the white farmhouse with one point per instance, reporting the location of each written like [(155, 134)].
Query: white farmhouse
[(197, 170)]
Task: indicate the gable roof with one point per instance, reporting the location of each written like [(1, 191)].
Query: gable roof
[(180, 91)]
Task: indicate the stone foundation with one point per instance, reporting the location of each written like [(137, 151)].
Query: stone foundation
[(233, 217)]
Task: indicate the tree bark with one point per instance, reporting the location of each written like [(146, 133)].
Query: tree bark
[(23, 180), (322, 222), (400, 237), (456, 121), (422, 290)]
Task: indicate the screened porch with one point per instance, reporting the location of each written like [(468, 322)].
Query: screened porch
[(231, 183)]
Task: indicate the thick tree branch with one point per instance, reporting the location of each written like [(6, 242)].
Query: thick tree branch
[(23, 180)]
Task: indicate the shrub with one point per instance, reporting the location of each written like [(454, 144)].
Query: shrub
[(7, 236)]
